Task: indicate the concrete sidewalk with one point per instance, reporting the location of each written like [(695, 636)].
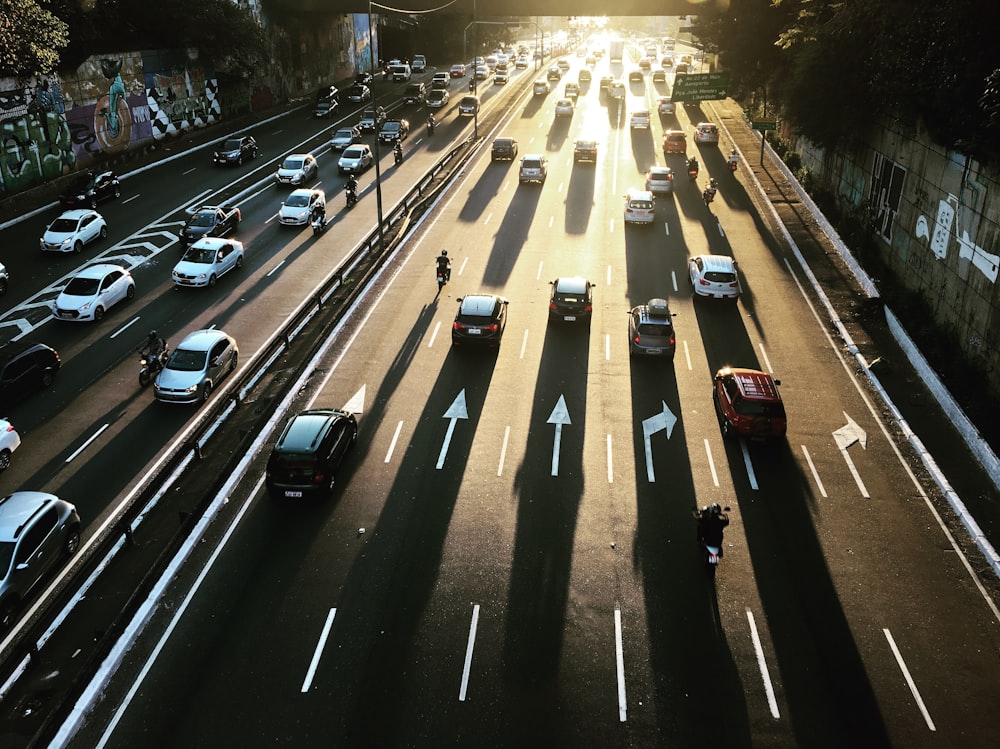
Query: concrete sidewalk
[(945, 441)]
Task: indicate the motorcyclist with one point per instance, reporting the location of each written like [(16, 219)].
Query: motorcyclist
[(734, 159), (444, 265), (352, 187), (155, 346), (318, 213), (472, 85), (711, 522), (692, 166), (430, 124), (397, 151), (709, 194)]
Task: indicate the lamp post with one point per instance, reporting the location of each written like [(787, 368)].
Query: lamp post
[(378, 167)]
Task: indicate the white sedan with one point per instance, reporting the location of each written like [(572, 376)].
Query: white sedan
[(92, 292), (299, 205), (10, 440), (72, 230), (206, 261)]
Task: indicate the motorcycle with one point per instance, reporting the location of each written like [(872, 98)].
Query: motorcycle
[(430, 127), (692, 170), (733, 161), (443, 275), (352, 197), (319, 225), (709, 194), (150, 365), (711, 546), (397, 154)]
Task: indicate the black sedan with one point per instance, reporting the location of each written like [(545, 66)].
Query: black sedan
[(235, 150), (480, 321), (394, 130), (89, 189)]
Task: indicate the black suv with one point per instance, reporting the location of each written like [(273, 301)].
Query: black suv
[(25, 368), (309, 451), (89, 189), (571, 300), (480, 321), (504, 148), (235, 150)]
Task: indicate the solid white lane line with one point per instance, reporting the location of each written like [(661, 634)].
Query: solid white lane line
[(607, 347), (539, 274), (687, 355), (503, 449), (854, 472), (746, 461), (611, 472), (125, 327), (673, 280), (86, 444), (274, 269), (762, 665), (437, 327), (320, 645), (815, 473), (909, 680), (608, 276), (620, 657), (392, 444), (711, 463), (468, 653), (763, 353), (524, 343)]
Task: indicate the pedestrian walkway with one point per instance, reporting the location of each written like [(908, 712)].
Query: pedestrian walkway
[(971, 471)]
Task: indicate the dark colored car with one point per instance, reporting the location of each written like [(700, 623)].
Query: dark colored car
[(235, 150), (37, 530), (480, 321), (89, 189), (748, 404), (309, 451), (585, 150), (651, 330), (210, 221), (394, 130), (364, 79), (554, 74), (571, 300), (504, 149), (25, 368)]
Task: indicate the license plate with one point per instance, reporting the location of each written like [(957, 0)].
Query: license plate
[(474, 331), (291, 493), (570, 318), (66, 314), (654, 351)]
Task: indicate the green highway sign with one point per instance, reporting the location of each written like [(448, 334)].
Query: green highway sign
[(700, 86), (764, 124)]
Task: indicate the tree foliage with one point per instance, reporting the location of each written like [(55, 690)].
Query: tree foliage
[(30, 38), (830, 64)]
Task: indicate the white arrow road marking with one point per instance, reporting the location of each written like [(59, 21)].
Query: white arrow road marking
[(620, 667), (559, 416), (356, 404), (846, 436), (665, 421), (456, 411)]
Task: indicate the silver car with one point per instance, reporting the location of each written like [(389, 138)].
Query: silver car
[(206, 261), (36, 531), (344, 137), (196, 366), (297, 169)]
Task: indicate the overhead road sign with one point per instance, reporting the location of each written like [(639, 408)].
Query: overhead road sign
[(700, 86), (764, 124)]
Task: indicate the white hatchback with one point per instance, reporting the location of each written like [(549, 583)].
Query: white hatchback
[(72, 230), (640, 208), (297, 169), (9, 442), (299, 205), (206, 261), (92, 292)]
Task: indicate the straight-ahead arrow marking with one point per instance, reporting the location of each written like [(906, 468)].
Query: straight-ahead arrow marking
[(456, 411), (559, 416)]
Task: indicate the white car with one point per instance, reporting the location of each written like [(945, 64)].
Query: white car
[(640, 120), (206, 260), (298, 206), (72, 230), (441, 77), (483, 72), (344, 137), (660, 180), (10, 440), (521, 63), (640, 207), (4, 276), (92, 292), (714, 276), (706, 132), (665, 105), (540, 87), (564, 108), (296, 169), (356, 159), (196, 366)]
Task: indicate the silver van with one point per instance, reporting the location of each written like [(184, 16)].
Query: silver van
[(400, 71)]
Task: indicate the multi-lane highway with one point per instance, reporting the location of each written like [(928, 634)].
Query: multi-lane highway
[(509, 556)]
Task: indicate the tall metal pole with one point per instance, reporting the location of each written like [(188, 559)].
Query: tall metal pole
[(475, 78), (378, 168)]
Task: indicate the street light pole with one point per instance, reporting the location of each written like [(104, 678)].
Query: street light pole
[(378, 169)]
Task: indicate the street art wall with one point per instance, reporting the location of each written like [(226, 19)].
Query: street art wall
[(937, 213), (110, 104)]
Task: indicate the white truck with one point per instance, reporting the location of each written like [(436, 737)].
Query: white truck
[(616, 50)]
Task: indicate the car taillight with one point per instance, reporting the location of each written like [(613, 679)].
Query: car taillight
[(703, 282), (319, 478), (457, 326), (552, 306), (492, 328), (670, 178), (672, 341), (588, 308)]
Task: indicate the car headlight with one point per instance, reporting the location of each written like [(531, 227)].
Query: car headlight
[(85, 307), (192, 389)]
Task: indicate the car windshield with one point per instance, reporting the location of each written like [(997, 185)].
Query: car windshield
[(6, 555), (297, 200), (532, 164), (344, 134), (294, 164), (390, 127), (186, 360), (203, 218), (233, 144), (63, 225), (353, 153), (82, 286), (199, 255)]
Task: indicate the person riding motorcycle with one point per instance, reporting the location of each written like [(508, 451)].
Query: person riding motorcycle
[(734, 159), (711, 522), (155, 346), (709, 194), (692, 167), (397, 151), (352, 187), (318, 213), (444, 265), (430, 124)]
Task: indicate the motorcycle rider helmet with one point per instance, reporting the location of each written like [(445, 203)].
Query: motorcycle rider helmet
[(444, 253), (715, 510)]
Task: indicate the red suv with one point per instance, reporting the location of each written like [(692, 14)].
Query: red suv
[(748, 404)]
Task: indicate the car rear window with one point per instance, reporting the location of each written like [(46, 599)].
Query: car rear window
[(656, 329), (717, 276), (771, 409), (642, 204), (532, 164)]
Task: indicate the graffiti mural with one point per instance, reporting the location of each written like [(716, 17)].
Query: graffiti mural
[(884, 195), (181, 94), (945, 230), (34, 135)]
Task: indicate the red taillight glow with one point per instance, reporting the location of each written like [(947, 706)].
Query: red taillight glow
[(318, 478), (703, 282), (552, 306)]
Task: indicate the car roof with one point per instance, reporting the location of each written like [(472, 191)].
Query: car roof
[(720, 263), (76, 213), (659, 170), (655, 309), (202, 340), (754, 384), (304, 429), (640, 195), (479, 305), (214, 243), (98, 270), (19, 507), (572, 284), (586, 143)]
